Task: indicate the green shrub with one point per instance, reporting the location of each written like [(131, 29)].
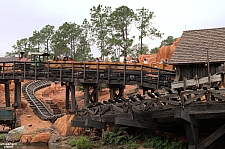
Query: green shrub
[(1, 136), (83, 143), (72, 143), (159, 143), (115, 138), (132, 145)]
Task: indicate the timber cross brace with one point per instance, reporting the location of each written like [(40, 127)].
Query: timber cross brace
[(113, 89), (90, 97), (191, 125)]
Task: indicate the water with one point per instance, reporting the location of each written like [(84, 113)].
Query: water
[(22, 146)]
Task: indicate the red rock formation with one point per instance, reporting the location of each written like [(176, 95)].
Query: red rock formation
[(43, 137), (150, 58), (63, 125), (165, 52), (26, 138)]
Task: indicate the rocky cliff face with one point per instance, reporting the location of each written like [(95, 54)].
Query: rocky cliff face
[(165, 52)]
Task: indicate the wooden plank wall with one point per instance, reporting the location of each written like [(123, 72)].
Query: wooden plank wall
[(190, 71)]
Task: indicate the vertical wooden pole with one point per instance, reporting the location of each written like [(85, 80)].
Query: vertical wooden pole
[(112, 93), (144, 90), (73, 100), (7, 95), (96, 93), (86, 95), (18, 98), (67, 97)]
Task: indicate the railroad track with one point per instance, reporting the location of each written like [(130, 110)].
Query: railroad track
[(37, 105)]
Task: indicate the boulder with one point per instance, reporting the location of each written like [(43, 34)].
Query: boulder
[(63, 125), (41, 138), (26, 138)]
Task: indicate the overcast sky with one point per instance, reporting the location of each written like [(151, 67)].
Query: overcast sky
[(19, 18)]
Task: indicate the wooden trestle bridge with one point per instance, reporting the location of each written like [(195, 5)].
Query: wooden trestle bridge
[(181, 111)]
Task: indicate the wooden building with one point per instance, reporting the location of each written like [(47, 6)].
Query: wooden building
[(195, 50)]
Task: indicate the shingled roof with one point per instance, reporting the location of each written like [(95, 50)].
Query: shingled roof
[(8, 59), (193, 45)]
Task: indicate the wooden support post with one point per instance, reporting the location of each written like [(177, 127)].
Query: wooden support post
[(112, 93), (191, 126), (96, 88), (121, 91), (86, 95), (17, 95), (73, 100), (192, 135), (144, 90), (158, 79), (185, 83), (67, 97), (222, 79), (7, 95)]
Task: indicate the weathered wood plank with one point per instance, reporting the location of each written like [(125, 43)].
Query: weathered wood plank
[(178, 113), (108, 118), (95, 124), (135, 123), (78, 123), (192, 82)]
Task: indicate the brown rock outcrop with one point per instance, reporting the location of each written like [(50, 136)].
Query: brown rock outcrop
[(26, 138), (41, 138), (166, 52), (63, 125), (150, 58)]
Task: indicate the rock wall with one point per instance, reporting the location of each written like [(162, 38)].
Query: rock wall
[(63, 125), (165, 52)]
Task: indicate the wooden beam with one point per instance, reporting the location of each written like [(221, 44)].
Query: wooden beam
[(178, 113), (213, 137), (192, 82), (78, 123), (193, 99), (142, 115), (2, 81), (95, 124), (135, 123), (192, 134), (108, 118)]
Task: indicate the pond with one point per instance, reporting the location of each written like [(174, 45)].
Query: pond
[(23, 146)]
